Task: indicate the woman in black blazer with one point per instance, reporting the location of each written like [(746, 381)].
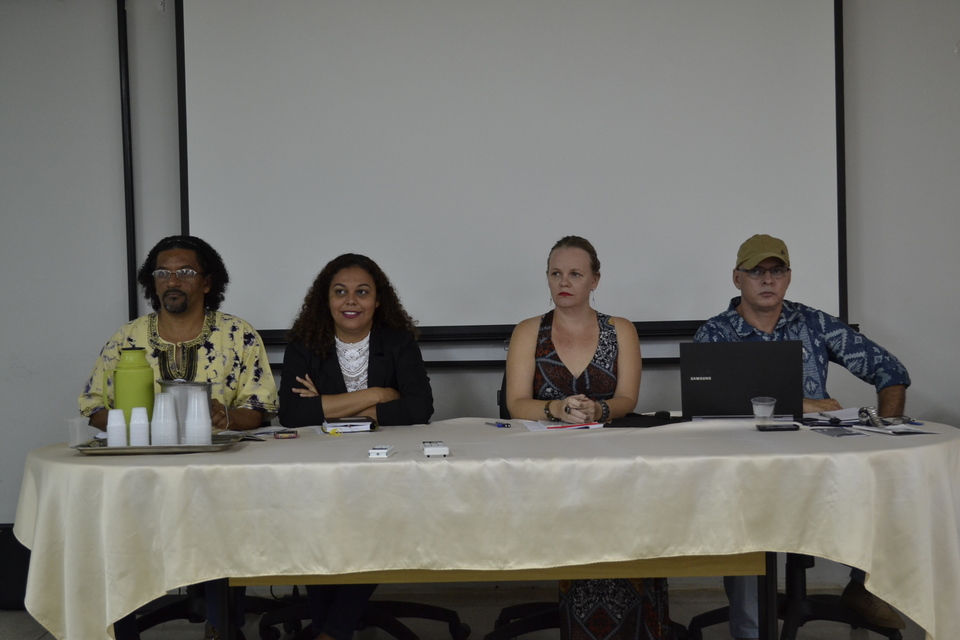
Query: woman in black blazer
[(352, 317), (352, 351)]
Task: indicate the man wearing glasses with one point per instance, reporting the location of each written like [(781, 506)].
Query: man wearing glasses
[(187, 338), (759, 313)]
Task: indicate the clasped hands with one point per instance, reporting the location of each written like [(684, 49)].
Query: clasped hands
[(578, 408)]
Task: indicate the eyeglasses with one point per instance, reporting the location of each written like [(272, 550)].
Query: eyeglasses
[(182, 274), (758, 272)]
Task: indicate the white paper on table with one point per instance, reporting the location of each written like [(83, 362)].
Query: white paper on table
[(891, 430)]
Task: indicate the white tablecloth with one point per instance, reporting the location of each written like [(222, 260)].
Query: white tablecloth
[(111, 533)]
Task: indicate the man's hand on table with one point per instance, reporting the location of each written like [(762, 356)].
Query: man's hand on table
[(811, 405)]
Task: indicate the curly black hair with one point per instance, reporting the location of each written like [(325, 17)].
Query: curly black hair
[(211, 264), (314, 326)]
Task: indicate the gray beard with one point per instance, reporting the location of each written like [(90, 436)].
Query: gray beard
[(179, 306)]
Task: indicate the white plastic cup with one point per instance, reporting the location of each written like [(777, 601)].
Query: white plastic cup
[(763, 409), (116, 429), (198, 429), (79, 431), (164, 408), (163, 427), (139, 427), (197, 433), (181, 390)]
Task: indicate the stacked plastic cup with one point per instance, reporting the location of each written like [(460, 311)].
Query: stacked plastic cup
[(163, 428), (139, 427), (197, 429), (116, 429)]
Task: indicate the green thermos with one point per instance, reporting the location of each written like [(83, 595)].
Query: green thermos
[(132, 382)]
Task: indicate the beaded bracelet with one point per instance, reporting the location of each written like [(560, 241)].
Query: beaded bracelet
[(605, 413), (546, 412)]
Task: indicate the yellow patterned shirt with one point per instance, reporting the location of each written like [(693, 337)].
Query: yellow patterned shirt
[(228, 352)]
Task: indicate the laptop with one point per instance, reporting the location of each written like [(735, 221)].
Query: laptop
[(718, 379)]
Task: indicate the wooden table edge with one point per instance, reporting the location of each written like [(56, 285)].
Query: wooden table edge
[(741, 564)]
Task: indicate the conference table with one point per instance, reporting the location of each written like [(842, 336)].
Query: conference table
[(111, 533)]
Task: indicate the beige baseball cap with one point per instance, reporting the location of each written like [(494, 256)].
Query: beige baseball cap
[(760, 247)]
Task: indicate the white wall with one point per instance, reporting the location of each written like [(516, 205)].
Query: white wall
[(62, 273), (61, 204), (903, 182)]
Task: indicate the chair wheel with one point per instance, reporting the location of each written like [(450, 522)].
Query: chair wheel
[(460, 631), (269, 633)]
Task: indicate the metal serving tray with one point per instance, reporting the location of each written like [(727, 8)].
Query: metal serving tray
[(98, 447)]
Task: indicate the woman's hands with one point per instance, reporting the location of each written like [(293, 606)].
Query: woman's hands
[(378, 394), (308, 390), (574, 409)]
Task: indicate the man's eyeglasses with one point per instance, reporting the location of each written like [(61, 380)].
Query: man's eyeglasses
[(758, 272), (182, 274)]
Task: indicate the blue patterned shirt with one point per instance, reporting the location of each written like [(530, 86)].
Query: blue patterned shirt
[(825, 339)]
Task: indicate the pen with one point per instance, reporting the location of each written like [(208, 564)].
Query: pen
[(499, 425)]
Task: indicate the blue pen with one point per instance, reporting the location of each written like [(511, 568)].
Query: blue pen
[(499, 425)]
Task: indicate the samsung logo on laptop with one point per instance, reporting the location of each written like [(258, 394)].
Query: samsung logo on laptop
[(701, 377)]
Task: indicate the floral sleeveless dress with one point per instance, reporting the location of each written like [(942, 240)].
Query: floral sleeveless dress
[(612, 609)]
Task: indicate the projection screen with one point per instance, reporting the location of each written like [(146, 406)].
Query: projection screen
[(455, 141)]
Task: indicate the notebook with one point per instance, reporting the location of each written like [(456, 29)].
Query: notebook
[(717, 379)]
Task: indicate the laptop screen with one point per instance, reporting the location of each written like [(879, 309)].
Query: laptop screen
[(718, 379)]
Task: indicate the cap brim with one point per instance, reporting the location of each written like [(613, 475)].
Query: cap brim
[(753, 261)]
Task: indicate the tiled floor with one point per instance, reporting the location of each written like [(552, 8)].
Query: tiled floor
[(478, 605)]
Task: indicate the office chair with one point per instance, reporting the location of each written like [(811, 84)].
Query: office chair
[(795, 607), (190, 606), (382, 614)]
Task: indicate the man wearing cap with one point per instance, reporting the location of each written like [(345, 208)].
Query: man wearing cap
[(762, 274)]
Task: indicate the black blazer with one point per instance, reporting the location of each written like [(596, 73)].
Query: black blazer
[(395, 361)]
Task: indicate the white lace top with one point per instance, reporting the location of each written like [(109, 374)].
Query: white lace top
[(354, 360)]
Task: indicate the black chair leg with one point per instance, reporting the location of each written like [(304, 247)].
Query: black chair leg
[(126, 628), (679, 631), (525, 618), (707, 619), (400, 609), (382, 614)]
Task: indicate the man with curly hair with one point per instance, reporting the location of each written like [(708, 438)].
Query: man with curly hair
[(187, 338)]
